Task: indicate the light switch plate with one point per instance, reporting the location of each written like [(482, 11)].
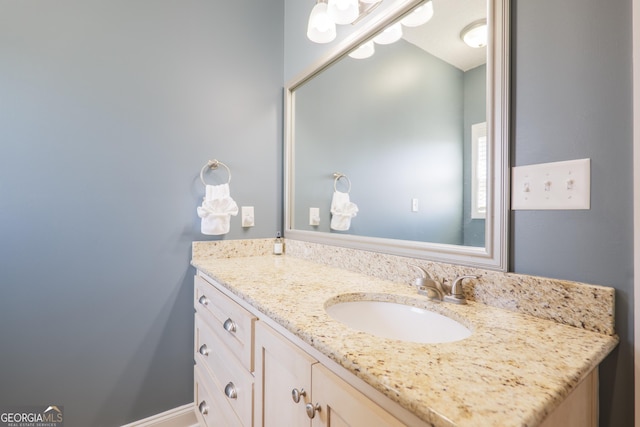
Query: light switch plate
[(552, 186)]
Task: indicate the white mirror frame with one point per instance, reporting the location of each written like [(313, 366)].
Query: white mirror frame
[(494, 255)]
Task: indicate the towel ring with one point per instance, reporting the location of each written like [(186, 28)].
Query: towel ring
[(337, 176), (213, 164)]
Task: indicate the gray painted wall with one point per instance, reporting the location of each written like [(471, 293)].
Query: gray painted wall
[(108, 110), (571, 99)]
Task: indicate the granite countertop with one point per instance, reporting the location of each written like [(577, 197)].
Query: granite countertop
[(512, 371)]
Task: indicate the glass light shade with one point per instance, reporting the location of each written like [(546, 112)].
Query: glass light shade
[(344, 11), (364, 51), (370, 1), (475, 34), (421, 15), (389, 35), (321, 28)]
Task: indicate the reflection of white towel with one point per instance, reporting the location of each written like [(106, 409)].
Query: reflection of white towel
[(216, 209), (342, 210)]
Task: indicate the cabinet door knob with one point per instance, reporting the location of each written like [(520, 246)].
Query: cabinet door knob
[(296, 394), (203, 408), (203, 350), (203, 300), (312, 409), (230, 326), (230, 391)]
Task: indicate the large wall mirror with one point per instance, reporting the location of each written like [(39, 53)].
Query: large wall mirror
[(407, 146)]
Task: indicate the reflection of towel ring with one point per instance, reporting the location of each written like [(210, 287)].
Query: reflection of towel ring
[(337, 176), (213, 164)]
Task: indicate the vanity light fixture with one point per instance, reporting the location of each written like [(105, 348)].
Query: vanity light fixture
[(475, 34), (344, 11), (389, 35), (327, 13), (365, 50), (321, 28), (421, 15)]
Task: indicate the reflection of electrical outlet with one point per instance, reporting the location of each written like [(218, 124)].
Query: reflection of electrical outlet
[(314, 216), (247, 216), (414, 205)]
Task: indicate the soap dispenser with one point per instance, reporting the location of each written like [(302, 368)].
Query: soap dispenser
[(278, 245)]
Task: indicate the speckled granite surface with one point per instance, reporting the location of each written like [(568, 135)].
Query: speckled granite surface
[(577, 304), (512, 371)]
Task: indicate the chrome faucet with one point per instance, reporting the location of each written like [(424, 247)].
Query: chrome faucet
[(434, 290), (427, 286)]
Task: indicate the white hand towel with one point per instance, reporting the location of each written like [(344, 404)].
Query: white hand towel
[(342, 210), (216, 210)]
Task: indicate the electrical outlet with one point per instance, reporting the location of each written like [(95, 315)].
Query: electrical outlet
[(314, 216), (552, 186), (248, 219)]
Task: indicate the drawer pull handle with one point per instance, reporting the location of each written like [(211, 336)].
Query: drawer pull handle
[(312, 409), (203, 350), (296, 394), (230, 326), (203, 408), (230, 391), (203, 300)]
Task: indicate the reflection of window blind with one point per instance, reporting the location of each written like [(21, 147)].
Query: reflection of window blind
[(479, 169)]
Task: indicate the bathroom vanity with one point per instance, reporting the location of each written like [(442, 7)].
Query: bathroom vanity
[(267, 353)]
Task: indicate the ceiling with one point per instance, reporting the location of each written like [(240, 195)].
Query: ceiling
[(441, 35)]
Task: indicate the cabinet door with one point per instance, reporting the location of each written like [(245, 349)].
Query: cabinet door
[(281, 369), (339, 404), (580, 408)]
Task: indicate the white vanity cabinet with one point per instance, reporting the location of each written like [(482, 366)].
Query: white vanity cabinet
[(294, 389), (223, 372), (251, 370)]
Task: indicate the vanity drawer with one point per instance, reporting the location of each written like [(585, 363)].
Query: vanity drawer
[(208, 410), (232, 324), (230, 384)]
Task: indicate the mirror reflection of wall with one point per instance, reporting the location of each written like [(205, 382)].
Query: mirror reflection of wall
[(398, 124)]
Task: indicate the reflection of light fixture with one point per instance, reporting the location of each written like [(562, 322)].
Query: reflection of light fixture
[(475, 34), (344, 11), (364, 51), (321, 28), (327, 13), (389, 35), (421, 15)]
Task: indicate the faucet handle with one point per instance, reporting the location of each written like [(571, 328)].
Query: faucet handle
[(427, 285), (457, 293), (425, 279)]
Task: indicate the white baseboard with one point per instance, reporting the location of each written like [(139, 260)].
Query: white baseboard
[(182, 416)]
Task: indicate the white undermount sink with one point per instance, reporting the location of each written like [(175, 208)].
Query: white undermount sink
[(398, 321)]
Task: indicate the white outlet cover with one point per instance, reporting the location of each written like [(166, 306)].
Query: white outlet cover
[(248, 219), (314, 216), (552, 186)]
